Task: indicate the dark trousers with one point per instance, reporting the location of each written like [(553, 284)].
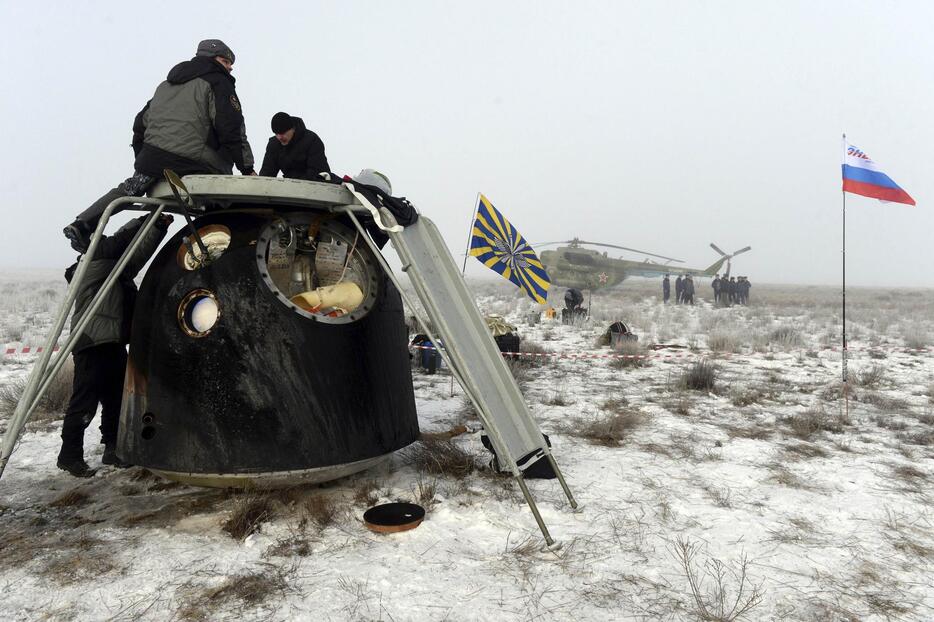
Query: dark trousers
[(99, 372), (136, 186)]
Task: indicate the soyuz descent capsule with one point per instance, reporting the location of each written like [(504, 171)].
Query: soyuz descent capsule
[(281, 357)]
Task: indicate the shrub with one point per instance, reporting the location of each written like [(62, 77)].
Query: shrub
[(634, 355), (871, 377), (55, 400), (786, 337), (248, 516), (609, 429), (916, 337), (440, 457), (723, 342), (813, 421), (701, 376)]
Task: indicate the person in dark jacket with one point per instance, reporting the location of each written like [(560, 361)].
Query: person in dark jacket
[(715, 284), (688, 290), (193, 124), (666, 289), (100, 353), (679, 289), (744, 285), (731, 290), (295, 150)]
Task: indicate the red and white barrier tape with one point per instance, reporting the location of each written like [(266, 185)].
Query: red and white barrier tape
[(581, 355), (28, 350), (685, 354)]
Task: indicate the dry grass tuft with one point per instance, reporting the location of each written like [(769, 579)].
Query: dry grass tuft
[(425, 493), (680, 404), (756, 432), (52, 404), (610, 429), (78, 559), (916, 337), (246, 590), (783, 476), (634, 355), (320, 509), (70, 498), (248, 516), (724, 342), (542, 357), (870, 377), (889, 405), (440, 457), (786, 337), (910, 474), (701, 376), (721, 592), (805, 450), (920, 437), (292, 546), (752, 395), (366, 492), (813, 421), (558, 397)]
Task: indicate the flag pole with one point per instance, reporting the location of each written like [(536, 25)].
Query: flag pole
[(846, 393), (473, 217)]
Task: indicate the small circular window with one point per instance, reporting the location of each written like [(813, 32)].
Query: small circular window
[(216, 239), (320, 268), (198, 313)]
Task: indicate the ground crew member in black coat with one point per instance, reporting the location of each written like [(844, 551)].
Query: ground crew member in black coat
[(679, 290), (100, 354), (744, 286), (731, 290), (193, 124), (688, 294), (294, 150), (666, 289), (715, 284)]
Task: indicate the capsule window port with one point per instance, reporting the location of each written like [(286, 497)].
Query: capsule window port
[(148, 432), (147, 418)]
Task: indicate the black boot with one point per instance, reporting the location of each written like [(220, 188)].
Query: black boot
[(110, 457), (76, 467)]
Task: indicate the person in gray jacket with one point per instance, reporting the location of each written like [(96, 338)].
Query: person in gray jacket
[(193, 124), (100, 354)]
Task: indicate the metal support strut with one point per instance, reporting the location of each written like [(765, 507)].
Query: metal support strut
[(455, 360), (42, 375)]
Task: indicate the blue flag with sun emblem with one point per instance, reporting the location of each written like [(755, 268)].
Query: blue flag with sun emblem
[(499, 247)]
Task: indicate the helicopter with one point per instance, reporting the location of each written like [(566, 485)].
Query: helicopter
[(584, 268)]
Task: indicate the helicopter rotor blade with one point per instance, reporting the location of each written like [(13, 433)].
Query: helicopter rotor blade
[(717, 248), (632, 250), (742, 250), (541, 244)]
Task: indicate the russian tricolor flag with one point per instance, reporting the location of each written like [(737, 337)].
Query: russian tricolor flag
[(862, 176)]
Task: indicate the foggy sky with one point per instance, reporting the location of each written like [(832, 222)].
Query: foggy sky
[(662, 126)]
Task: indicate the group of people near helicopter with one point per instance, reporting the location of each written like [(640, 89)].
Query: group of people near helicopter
[(727, 291)]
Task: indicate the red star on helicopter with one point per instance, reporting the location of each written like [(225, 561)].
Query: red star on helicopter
[(603, 276)]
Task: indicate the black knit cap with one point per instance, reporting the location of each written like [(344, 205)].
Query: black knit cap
[(215, 47), (282, 123)]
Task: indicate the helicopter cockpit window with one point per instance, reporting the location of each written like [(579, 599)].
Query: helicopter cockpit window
[(319, 268)]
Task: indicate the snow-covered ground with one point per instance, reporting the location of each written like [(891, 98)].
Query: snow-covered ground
[(762, 491)]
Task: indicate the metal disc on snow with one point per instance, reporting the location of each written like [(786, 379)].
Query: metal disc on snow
[(393, 517)]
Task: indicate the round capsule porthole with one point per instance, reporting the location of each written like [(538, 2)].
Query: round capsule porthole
[(215, 238), (198, 313)]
